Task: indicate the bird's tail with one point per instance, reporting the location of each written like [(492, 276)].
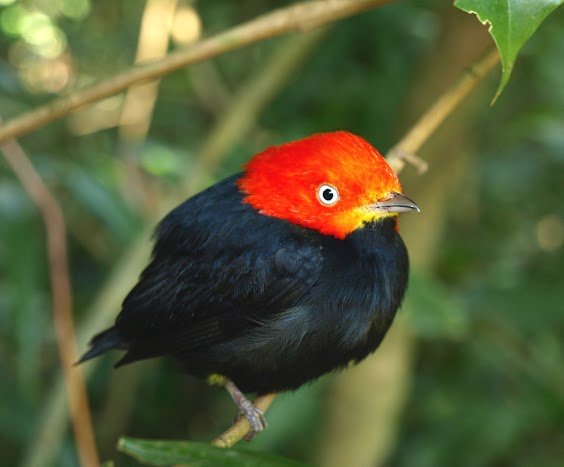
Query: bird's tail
[(100, 343)]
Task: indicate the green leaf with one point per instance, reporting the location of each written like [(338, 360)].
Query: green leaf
[(196, 454), (511, 24)]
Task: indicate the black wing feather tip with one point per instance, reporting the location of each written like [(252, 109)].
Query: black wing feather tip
[(126, 359), (107, 340)]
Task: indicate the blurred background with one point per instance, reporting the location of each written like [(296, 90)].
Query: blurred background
[(472, 371)]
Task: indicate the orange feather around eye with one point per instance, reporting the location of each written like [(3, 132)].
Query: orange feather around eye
[(283, 181)]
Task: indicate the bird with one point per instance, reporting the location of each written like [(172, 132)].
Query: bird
[(274, 276)]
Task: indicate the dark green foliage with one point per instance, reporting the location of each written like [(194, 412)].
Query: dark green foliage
[(198, 454)]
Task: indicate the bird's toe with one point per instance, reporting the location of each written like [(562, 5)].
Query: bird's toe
[(256, 420)]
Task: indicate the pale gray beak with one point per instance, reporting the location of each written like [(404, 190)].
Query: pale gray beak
[(395, 202)]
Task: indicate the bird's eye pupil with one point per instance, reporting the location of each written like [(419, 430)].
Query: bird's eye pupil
[(328, 194)]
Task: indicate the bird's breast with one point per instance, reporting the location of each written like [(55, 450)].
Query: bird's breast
[(342, 317), (346, 313), (362, 287)]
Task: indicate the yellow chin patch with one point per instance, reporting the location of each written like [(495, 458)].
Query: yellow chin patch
[(349, 221), (370, 215)]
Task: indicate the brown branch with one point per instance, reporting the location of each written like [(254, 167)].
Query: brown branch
[(61, 297), (429, 122), (296, 17)]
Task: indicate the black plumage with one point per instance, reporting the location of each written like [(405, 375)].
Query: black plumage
[(266, 303)]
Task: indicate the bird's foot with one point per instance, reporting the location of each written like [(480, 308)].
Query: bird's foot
[(256, 419), (246, 408)]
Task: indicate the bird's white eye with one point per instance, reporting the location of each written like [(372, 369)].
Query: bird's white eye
[(327, 194)]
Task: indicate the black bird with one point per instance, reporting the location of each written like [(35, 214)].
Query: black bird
[(274, 276)]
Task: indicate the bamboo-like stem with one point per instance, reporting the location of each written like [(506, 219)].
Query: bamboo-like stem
[(139, 102), (299, 16), (61, 297)]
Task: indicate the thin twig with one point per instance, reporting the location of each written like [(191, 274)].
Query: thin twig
[(299, 16), (440, 110), (61, 297)]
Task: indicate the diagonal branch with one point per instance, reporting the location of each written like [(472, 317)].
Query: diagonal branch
[(61, 297), (300, 16), (419, 133)]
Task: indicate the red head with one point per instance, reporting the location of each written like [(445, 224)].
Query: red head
[(331, 182)]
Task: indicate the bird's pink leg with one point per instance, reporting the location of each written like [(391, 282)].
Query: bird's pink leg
[(247, 409)]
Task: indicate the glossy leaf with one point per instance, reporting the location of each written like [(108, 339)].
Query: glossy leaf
[(198, 454), (511, 24)]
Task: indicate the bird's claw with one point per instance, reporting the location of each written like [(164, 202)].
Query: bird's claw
[(256, 420), (253, 414)]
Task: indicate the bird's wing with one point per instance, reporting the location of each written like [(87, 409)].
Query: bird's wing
[(218, 268)]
